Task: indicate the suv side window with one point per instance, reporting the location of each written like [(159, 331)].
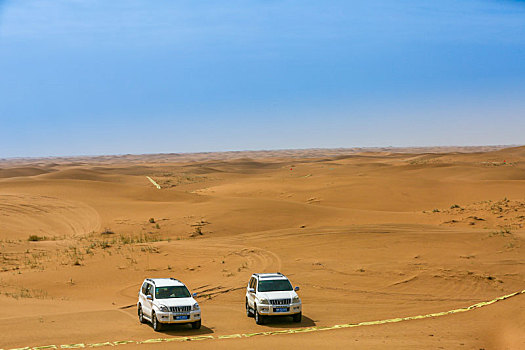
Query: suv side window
[(143, 289), (251, 283), (149, 290), (254, 283)]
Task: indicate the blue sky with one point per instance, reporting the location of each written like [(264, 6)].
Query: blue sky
[(124, 76)]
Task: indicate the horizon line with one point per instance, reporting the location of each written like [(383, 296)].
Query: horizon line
[(354, 149)]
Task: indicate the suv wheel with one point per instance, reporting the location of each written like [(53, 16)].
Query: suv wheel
[(248, 310), (297, 317), (259, 319), (157, 326), (196, 324), (141, 315)]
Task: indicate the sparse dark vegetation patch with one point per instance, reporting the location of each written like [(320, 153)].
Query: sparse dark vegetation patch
[(107, 231), (501, 213), (503, 232), (104, 244), (197, 232)]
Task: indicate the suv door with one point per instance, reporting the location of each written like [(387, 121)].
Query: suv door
[(148, 304), (142, 295), (251, 296)]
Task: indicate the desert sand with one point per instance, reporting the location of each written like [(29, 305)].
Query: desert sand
[(367, 235)]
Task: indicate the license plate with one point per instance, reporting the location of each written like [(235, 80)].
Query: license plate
[(182, 317), (280, 309)]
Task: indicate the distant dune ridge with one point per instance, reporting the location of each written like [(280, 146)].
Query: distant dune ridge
[(290, 153), (367, 234)]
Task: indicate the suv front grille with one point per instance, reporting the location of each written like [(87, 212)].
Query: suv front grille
[(280, 301), (180, 308)]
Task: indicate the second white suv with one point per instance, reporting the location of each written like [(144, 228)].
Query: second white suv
[(167, 300), (271, 294)]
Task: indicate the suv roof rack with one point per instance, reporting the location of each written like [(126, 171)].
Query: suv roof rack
[(151, 280), (270, 273)]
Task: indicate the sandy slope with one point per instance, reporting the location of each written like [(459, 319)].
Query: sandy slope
[(367, 236)]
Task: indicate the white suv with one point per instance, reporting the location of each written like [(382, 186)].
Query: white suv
[(167, 300), (271, 294)]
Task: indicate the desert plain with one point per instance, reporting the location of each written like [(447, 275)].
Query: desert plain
[(367, 235)]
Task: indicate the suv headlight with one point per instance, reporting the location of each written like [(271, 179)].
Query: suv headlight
[(296, 300), (264, 301), (195, 307), (164, 308)]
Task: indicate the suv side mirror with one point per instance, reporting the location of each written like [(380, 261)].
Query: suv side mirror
[(296, 288), (251, 290), (194, 295), (149, 297)]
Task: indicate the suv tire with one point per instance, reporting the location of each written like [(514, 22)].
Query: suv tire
[(157, 326), (297, 317), (259, 319), (249, 312), (196, 324), (141, 315)]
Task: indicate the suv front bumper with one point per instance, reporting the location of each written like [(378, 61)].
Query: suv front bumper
[(171, 317), (276, 310)]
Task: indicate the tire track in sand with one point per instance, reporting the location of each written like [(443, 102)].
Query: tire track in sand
[(270, 333)]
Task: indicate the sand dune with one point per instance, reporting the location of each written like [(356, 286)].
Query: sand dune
[(77, 174), (24, 215), (21, 171), (367, 234)]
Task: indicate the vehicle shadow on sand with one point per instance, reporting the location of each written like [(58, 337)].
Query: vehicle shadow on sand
[(286, 322), (184, 330)]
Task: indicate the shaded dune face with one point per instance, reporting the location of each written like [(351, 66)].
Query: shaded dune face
[(77, 174), (21, 171), (367, 236)]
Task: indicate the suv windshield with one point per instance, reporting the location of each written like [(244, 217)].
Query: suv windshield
[(171, 292), (274, 286)]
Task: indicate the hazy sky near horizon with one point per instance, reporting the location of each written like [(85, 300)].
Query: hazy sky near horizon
[(125, 76)]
